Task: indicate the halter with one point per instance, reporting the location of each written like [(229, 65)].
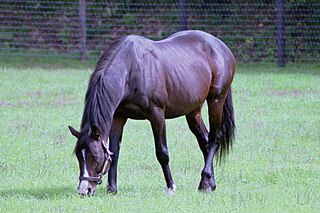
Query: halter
[(105, 168)]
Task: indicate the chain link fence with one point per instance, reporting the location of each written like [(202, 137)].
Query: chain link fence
[(260, 30)]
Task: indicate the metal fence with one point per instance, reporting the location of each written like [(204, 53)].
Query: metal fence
[(261, 30)]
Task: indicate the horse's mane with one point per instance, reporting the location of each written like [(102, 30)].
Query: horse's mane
[(99, 99)]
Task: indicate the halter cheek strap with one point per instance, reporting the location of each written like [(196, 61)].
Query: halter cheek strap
[(105, 167), (98, 179)]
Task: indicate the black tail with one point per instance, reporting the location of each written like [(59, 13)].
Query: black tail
[(228, 127)]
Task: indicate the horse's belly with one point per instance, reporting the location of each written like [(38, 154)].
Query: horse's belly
[(187, 92), (185, 101), (180, 107), (175, 105)]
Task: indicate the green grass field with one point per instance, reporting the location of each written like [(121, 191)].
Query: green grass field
[(274, 165)]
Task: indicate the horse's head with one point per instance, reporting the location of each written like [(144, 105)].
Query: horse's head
[(94, 159)]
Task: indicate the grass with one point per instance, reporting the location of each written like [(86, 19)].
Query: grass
[(274, 165)]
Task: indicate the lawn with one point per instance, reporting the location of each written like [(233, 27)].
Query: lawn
[(274, 165)]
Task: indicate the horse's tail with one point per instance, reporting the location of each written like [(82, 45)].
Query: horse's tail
[(228, 127)]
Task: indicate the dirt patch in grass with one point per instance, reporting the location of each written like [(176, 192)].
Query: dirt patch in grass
[(293, 93), (15, 104), (34, 94), (28, 99), (33, 97), (63, 100)]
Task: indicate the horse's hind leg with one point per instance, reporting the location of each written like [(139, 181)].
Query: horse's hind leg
[(215, 107), (157, 120), (198, 128)]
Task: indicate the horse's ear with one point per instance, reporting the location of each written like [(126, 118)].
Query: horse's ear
[(95, 131), (74, 132)]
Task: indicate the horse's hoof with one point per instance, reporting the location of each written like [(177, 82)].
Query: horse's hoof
[(170, 191), (111, 190), (207, 187), (207, 190)]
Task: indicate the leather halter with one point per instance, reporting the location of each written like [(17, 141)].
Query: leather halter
[(105, 168)]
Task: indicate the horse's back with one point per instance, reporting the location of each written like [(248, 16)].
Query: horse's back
[(178, 72)]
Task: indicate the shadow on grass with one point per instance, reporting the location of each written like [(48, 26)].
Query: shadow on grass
[(39, 193)]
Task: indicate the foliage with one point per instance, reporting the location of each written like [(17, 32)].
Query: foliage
[(248, 27)]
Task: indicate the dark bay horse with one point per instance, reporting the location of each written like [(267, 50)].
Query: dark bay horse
[(138, 78)]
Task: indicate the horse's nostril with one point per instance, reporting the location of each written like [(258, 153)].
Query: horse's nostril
[(87, 191), (83, 193), (91, 191)]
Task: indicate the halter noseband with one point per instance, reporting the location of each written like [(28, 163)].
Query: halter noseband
[(106, 165)]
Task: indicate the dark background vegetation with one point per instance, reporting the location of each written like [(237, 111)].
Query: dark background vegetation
[(39, 27)]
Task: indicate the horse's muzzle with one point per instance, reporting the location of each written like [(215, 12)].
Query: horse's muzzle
[(87, 190)]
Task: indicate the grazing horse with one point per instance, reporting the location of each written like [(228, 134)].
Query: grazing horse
[(138, 78)]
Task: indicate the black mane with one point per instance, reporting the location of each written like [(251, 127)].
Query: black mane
[(99, 98)]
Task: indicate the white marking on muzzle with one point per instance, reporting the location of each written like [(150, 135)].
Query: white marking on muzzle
[(84, 184)]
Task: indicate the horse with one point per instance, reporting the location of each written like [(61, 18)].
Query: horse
[(138, 78)]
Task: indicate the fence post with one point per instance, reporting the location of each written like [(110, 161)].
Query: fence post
[(183, 5), (82, 29), (281, 54)]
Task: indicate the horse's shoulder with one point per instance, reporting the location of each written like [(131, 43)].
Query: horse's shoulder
[(136, 40), (140, 46)]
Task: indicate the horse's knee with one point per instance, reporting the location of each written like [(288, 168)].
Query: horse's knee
[(162, 156)]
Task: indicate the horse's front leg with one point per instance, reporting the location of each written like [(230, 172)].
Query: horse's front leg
[(157, 120), (114, 146)]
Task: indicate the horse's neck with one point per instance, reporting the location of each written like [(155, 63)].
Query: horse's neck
[(112, 99), (104, 94)]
